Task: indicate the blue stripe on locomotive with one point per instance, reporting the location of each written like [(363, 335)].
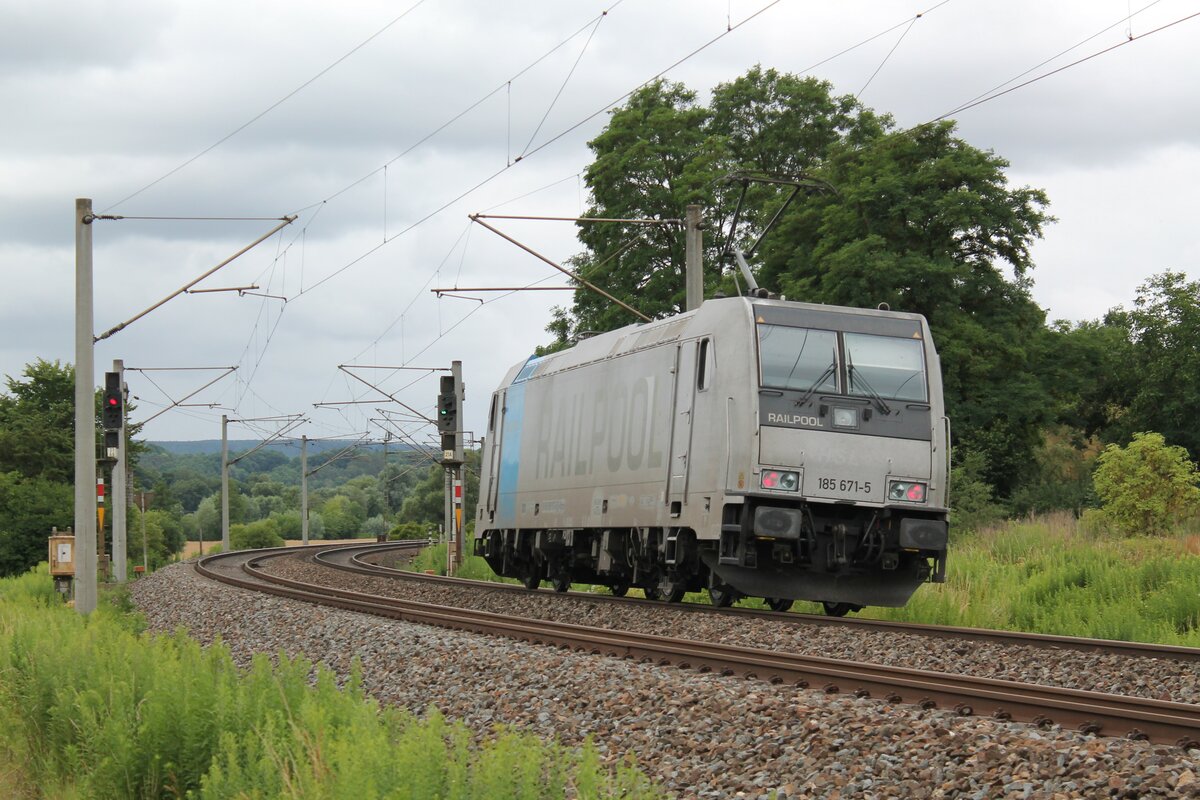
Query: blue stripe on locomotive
[(510, 453)]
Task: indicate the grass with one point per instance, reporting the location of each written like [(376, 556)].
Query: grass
[(92, 707), (433, 559), (1048, 575)]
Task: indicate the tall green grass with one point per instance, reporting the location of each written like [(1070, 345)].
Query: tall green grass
[(433, 559), (1047, 575), (91, 708)]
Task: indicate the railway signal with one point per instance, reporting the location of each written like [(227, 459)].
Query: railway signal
[(447, 406), (113, 414), (450, 399)]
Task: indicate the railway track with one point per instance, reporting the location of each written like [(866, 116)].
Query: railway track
[(1090, 712), (354, 561)]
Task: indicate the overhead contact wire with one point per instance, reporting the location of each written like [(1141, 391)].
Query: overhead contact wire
[(1085, 59), (566, 80), (1058, 55)]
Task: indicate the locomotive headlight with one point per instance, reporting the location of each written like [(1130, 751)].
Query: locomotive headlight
[(845, 418), (906, 491), (780, 481)]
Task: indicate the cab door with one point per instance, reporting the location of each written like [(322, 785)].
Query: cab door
[(681, 427), (496, 432)]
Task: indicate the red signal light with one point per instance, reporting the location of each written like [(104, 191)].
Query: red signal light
[(916, 492)]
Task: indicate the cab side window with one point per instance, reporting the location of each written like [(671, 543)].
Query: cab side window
[(704, 365)]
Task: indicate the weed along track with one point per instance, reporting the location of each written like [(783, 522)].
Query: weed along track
[(1095, 712)]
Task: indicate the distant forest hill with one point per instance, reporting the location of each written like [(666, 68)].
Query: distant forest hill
[(192, 470), (241, 445)]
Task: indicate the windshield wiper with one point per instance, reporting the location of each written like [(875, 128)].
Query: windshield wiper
[(883, 407), (824, 376)]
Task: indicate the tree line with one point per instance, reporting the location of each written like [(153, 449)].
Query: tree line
[(359, 496)]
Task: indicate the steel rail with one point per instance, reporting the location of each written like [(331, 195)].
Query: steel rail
[(1009, 638), (1089, 712)]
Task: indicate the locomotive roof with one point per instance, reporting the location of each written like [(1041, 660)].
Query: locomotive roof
[(716, 313)]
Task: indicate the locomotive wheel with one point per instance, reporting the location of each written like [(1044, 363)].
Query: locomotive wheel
[(783, 604), (619, 589), (652, 593), (722, 596), (840, 609), (531, 581), (561, 583)]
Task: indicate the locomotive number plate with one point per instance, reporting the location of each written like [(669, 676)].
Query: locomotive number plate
[(843, 486)]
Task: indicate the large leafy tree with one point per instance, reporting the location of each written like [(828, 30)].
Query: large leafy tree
[(37, 422), (918, 219), (1162, 377)]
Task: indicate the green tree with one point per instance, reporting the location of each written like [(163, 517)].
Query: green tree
[(1060, 477), (289, 524), (164, 536), (426, 503), (375, 526), (262, 533), (29, 507), (1164, 333), (1084, 369), (343, 517), (37, 422), (1147, 486), (208, 518)]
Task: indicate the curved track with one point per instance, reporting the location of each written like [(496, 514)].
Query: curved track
[(1093, 712), (355, 562)]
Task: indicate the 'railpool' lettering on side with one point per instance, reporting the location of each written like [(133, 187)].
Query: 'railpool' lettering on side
[(794, 419)]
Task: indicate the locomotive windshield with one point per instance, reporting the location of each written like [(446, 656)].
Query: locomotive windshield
[(809, 360), (885, 366), (798, 358)]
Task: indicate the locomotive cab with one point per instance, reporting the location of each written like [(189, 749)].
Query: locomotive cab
[(846, 498)]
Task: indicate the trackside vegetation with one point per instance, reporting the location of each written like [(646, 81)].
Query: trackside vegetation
[(1056, 575), (93, 707)]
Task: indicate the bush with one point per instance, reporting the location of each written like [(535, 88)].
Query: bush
[(408, 530), (972, 504), (1146, 487), (375, 526), (264, 533)]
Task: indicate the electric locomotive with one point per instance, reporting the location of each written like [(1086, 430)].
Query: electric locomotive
[(751, 447)]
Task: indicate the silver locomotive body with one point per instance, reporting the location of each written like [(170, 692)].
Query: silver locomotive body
[(752, 447)]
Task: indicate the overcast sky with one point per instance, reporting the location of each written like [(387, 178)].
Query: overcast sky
[(261, 109)]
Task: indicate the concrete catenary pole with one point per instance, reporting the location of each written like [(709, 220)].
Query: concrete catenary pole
[(448, 525), (224, 483), (145, 550), (693, 258), (85, 415), (304, 488), (120, 492)]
